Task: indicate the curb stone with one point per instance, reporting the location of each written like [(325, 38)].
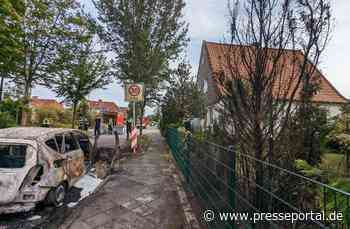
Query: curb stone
[(191, 219)]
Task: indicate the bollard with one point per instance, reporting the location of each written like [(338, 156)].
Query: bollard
[(232, 181)]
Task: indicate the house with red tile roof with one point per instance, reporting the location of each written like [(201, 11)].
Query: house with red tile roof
[(37, 103), (213, 67), (103, 106), (107, 110)]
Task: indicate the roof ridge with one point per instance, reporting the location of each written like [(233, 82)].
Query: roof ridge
[(247, 45)]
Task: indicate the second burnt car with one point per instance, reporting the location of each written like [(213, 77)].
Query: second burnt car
[(39, 165)]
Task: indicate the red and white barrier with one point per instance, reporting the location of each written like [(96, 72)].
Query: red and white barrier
[(133, 137)]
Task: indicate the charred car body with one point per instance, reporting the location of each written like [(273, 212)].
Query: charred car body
[(39, 164)]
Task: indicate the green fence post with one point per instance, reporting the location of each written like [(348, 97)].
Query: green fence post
[(232, 181), (187, 149)]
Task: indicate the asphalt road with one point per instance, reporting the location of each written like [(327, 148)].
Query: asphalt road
[(40, 217)]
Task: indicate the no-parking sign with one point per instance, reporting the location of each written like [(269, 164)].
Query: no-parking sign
[(134, 92)]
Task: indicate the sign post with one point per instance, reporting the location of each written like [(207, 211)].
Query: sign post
[(134, 93)]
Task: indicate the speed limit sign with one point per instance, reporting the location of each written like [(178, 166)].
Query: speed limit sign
[(134, 92)]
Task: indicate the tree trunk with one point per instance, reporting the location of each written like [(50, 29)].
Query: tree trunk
[(74, 114), (2, 86), (26, 102), (347, 163), (141, 118)]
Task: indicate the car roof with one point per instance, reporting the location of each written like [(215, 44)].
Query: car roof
[(31, 133)]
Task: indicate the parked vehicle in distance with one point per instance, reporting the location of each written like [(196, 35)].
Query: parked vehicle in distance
[(39, 165)]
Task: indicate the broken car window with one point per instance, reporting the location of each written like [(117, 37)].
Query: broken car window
[(59, 140), (84, 143), (70, 144), (52, 144), (12, 156)]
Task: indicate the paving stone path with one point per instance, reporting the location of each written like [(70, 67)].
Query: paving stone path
[(143, 195)]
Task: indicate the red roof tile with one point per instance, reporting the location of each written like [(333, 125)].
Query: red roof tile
[(103, 106), (36, 102), (287, 78)]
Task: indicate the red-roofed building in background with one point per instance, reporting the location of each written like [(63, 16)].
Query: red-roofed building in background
[(212, 69), (103, 106), (37, 103), (108, 111)]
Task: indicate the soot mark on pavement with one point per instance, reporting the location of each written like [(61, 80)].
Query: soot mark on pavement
[(42, 215)]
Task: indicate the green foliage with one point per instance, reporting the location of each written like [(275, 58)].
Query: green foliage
[(338, 140), (9, 112), (79, 70), (343, 140), (200, 136), (11, 13), (45, 25), (6, 120), (306, 136), (50, 114), (333, 165), (57, 118), (145, 36), (183, 99), (341, 203), (306, 169), (342, 124)]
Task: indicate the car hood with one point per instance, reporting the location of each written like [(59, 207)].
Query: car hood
[(10, 183), (12, 179)]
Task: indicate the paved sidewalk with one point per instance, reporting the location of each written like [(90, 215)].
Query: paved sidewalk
[(142, 196)]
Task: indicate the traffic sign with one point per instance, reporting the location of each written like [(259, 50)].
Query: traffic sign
[(134, 92)]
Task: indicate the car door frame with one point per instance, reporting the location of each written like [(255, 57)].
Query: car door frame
[(74, 159), (88, 158)]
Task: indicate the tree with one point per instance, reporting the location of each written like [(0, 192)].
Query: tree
[(145, 35), (79, 70), (11, 13), (271, 63), (183, 99), (10, 112), (44, 24)]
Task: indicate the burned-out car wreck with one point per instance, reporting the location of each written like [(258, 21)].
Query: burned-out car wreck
[(39, 165)]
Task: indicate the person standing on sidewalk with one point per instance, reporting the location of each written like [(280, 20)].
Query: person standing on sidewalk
[(128, 129), (97, 126)]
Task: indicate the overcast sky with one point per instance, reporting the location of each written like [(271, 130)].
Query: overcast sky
[(208, 21)]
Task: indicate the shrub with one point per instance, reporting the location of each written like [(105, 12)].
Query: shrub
[(9, 112), (305, 168), (341, 203), (57, 117), (6, 120)]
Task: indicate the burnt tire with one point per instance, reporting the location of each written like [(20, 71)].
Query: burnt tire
[(57, 195)]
